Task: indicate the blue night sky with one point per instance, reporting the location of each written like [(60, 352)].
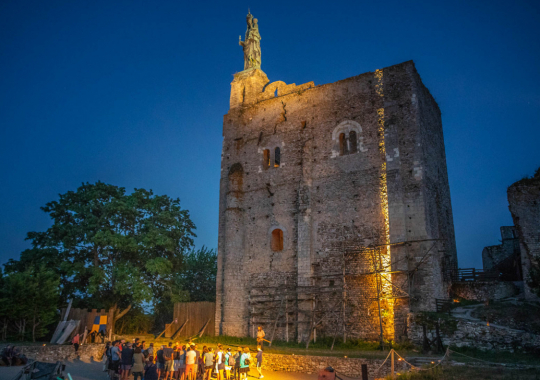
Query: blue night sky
[(133, 93)]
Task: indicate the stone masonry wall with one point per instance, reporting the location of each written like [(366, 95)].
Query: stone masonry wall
[(483, 337), (524, 204), (482, 291), (336, 212), (54, 353), (351, 367)]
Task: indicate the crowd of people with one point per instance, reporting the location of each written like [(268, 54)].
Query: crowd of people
[(177, 361)]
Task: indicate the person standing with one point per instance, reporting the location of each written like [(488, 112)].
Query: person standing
[(114, 365), (228, 366), (197, 359), (127, 361), (182, 363), (259, 361), (150, 370), (150, 351), (160, 361), (138, 364), (75, 341), (190, 364), (169, 361), (260, 336), (220, 365), (208, 363), (245, 361), (107, 356), (237, 358)]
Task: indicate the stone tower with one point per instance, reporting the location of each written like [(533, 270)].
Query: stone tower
[(335, 216)]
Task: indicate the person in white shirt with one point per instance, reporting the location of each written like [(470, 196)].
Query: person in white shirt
[(190, 364)]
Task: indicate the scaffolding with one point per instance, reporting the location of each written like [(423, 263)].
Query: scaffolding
[(278, 306)]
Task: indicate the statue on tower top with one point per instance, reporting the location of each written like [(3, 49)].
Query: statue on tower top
[(252, 44)]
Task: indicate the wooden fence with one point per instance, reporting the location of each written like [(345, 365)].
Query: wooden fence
[(197, 315), (473, 274), (87, 318)]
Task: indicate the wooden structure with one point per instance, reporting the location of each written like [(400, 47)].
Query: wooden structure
[(87, 318), (192, 318)]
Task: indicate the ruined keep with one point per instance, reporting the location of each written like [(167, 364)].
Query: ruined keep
[(504, 259), (335, 216), (524, 205)]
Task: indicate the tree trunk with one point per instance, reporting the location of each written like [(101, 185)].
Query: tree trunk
[(122, 313), (4, 329), (118, 316), (34, 325)]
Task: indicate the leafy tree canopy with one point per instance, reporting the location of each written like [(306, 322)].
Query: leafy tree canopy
[(112, 249), (28, 299)]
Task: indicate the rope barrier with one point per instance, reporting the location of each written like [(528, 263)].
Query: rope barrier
[(447, 354)]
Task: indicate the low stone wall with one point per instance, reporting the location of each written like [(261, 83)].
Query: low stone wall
[(483, 337), (482, 291), (54, 353), (351, 367)]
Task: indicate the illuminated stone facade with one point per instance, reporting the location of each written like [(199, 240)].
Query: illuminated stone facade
[(320, 188)]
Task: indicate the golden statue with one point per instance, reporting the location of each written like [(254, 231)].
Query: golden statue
[(252, 44)]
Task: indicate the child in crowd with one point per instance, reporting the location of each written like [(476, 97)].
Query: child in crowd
[(208, 362), (245, 361), (259, 361), (228, 364)]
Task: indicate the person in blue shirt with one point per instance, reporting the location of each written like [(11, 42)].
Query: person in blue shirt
[(114, 365), (245, 360)]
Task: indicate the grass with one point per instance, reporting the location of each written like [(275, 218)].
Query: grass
[(495, 356), (352, 349), (470, 373), (520, 315)]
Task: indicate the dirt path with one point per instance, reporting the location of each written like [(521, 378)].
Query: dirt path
[(465, 313)]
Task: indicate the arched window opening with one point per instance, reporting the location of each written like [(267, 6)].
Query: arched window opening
[(277, 157), (352, 142), (277, 240), (343, 148), (236, 178), (266, 158)]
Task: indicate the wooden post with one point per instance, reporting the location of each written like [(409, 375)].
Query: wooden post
[(286, 316), (68, 310), (159, 336), (177, 333), (364, 372), (204, 328), (392, 364), (344, 294), (275, 323)]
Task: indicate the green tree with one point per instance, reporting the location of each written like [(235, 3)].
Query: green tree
[(195, 282), (29, 300), (112, 249), (198, 276)]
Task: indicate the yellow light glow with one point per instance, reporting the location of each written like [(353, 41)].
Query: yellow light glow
[(385, 277)]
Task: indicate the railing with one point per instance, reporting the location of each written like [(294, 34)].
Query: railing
[(473, 274), (444, 306)]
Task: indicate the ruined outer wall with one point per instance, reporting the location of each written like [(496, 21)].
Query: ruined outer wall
[(524, 204), (330, 207)]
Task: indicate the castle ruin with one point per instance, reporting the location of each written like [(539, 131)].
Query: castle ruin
[(335, 216)]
